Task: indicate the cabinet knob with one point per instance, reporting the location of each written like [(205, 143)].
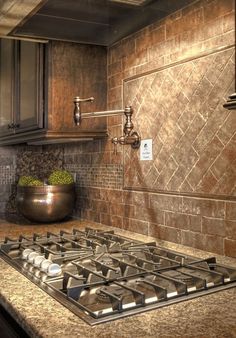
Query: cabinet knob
[(10, 126), (13, 126)]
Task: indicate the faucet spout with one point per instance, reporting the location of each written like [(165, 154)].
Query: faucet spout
[(129, 137)]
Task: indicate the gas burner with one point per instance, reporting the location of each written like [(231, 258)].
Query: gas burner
[(179, 276), (107, 261), (104, 293)]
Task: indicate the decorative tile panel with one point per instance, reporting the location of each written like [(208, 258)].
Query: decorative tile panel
[(194, 138)]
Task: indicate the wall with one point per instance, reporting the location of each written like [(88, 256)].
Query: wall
[(176, 73)]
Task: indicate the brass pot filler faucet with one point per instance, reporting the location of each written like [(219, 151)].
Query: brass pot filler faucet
[(130, 137)]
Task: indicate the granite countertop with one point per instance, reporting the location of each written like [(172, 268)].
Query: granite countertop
[(40, 315)]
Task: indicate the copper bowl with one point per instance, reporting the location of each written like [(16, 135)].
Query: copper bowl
[(48, 203)]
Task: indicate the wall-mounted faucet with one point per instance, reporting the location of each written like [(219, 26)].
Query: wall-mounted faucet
[(130, 137)]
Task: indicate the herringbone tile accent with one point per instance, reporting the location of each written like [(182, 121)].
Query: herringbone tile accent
[(194, 137)]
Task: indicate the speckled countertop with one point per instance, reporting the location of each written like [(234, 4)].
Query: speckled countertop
[(41, 316)]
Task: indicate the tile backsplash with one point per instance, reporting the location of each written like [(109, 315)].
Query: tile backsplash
[(176, 73), (193, 138)]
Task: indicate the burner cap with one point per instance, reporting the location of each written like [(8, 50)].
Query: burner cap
[(115, 290), (179, 276)]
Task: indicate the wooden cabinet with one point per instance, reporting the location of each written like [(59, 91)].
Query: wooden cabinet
[(21, 86), (39, 82), (6, 86)]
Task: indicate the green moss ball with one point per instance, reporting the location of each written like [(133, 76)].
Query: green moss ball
[(60, 177), (29, 181)]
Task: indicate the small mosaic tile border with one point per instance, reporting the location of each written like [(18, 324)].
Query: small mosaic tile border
[(105, 176), (7, 174)]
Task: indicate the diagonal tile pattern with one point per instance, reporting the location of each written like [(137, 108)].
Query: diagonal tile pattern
[(194, 137)]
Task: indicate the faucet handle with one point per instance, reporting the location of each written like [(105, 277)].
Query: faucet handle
[(78, 99), (77, 111)]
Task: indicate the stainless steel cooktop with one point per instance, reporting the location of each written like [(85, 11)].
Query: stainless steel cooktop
[(102, 276)]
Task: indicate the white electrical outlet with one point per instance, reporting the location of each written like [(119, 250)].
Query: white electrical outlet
[(146, 150)]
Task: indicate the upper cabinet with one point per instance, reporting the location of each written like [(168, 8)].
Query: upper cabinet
[(21, 86), (6, 86), (29, 77), (38, 82)]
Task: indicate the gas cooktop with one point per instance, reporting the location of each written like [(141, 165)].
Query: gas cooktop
[(102, 276)]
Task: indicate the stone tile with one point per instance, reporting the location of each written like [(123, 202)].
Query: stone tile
[(166, 173), (218, 41), (90, 215), (226, 184), (210, 243), (111, 196), (100, 206), (217, 8), (135, 59), (149, 215), (117, 221), (115, 80), (128, 197), (214, 226), (207, 158), (115, 94), (204, 207), (231, 210), (120, 49), (210, 128), (115, 67), (229, 22), (228, 128), (187, 22), (141, 199), (122, 210), (94, 193), (149, 37), (165, 233), (231, 229), (166, 202), (207, 183), (105, 219), (225, 159), (230, 247), (138, 226), (183, 221)]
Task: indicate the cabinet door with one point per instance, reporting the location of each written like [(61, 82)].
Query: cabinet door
[(6, 86), (30, 86)]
